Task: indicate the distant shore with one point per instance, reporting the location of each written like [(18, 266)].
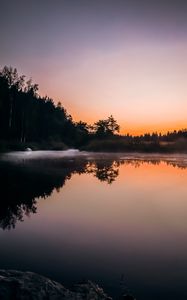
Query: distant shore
[(99, 145)]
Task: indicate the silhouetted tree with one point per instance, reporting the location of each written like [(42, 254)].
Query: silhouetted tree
[(106, 127)]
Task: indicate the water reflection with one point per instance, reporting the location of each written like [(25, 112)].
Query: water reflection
[(23, 183), (105, 171)]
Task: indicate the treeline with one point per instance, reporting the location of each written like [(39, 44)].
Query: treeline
[(29, 120), (26, 117), (154, 137)]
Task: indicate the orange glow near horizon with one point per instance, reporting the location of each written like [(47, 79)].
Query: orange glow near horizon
[(161, 128), (131, 128), (134, 126), (145, 90)]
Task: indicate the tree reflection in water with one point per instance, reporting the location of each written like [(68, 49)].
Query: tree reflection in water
[(24, 183), (105, 171)]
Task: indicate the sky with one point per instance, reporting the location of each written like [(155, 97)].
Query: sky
[(127, 58)]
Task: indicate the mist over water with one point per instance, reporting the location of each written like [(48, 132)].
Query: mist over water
[(70, 215), (20, 156)]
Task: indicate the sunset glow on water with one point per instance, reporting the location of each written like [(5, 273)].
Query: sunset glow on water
[(88, 228)]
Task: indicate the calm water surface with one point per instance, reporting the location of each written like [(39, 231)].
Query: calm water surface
[(119, 220)]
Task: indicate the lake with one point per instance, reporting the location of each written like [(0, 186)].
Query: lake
[(119, 220)]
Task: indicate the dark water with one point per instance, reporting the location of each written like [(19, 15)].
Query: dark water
[(119, 220)]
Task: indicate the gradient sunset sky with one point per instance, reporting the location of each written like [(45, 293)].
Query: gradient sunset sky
[(127, 58)]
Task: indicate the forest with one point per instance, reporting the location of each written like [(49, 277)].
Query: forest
[(29, 120)]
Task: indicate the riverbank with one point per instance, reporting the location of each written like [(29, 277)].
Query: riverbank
[(101, 145), (6, 146)]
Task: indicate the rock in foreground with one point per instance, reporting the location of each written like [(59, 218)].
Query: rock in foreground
[(16, 285)]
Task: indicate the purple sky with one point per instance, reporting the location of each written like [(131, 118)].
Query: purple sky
[(126, 58)]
